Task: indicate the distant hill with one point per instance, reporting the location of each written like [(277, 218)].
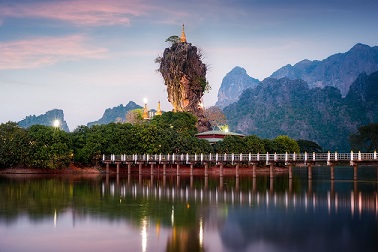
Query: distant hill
[(339, 70), (116, 113), (46, 119), (290, 107), (233, 84)]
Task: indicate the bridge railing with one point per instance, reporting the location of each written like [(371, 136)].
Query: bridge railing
[(241, 157)]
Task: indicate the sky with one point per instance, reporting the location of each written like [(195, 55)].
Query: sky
[(84, 56)]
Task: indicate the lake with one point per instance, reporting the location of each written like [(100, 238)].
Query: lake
[(157, 213)]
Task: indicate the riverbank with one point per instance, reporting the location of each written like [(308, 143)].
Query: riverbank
[(158, 169)]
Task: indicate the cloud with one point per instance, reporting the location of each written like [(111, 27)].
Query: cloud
[(78, 12), (34, 53)]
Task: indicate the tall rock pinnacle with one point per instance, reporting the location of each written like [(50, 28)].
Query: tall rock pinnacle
[(184, 74)]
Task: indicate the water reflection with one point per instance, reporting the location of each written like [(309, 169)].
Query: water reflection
[(186, 213)]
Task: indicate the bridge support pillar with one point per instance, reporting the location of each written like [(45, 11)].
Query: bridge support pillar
[(237, 170), (152, 168), (254, 165), (206, 169), (164, 168), (129, 168), (309, 171), (117, 170), (271, 168), (191, 168), (355, 170), (290, 171), (107, 167), (332, 172), (221, 169), (178, 168), (140, 168)]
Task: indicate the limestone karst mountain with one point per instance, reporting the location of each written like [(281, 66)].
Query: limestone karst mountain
[(46, 119), (184, 75), (116, 113), (290, 107), (339, 70), (233, 85)]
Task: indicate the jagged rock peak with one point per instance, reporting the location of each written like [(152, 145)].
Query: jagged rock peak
[(46, 119), (233, 85), (184, 75), (338, 70), (115, 114)]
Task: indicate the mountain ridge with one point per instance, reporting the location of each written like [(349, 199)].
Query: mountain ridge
[(290, 107)]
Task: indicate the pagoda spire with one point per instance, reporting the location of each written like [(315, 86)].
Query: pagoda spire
[(158, 112), (183, 37)]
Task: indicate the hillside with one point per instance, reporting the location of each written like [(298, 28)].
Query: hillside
[(291, 107)]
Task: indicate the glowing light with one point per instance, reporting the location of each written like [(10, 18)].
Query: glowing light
[(143, 233), (226, 130), (55, 218), (56, 123), (201, 233), (145, 100)]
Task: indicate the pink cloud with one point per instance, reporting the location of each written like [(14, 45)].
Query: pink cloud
[(79, 12), (33, 53)]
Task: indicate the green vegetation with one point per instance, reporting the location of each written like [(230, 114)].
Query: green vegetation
[(366, 140), (47, 147), (173, 39)]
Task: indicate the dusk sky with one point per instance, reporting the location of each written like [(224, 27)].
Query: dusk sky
[(84, 56)]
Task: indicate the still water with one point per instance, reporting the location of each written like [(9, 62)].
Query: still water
[(156, 213)]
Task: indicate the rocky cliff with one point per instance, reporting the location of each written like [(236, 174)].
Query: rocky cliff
[(290, 107), (46, 119), (339, 70), (233, 84), (184, 75)]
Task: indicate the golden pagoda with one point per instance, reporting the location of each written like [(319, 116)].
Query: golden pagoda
[(145, 111), (158, 112), (183, 37)]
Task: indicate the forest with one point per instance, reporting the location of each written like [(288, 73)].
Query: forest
[(50, 147)]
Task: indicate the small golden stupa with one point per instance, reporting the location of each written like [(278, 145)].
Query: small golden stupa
[(158, 112), (183, 37)]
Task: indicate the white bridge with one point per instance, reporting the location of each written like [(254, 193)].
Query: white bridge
[(241, 160), (330, 157)]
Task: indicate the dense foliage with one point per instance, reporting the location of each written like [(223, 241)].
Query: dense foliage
[(48, 147), (366, 139)]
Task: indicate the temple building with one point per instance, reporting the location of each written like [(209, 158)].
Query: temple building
[(214, 136)]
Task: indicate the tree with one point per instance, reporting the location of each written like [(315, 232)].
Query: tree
[(230, 144), (253, 144), (135, 116), (216, 117), (181, 122), (366, 139), (13, 145), (49, 147), (285, 144), (173, 39), (308, 146)]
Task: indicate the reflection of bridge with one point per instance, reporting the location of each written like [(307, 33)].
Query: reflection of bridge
[(287, 159), (156, 188)]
